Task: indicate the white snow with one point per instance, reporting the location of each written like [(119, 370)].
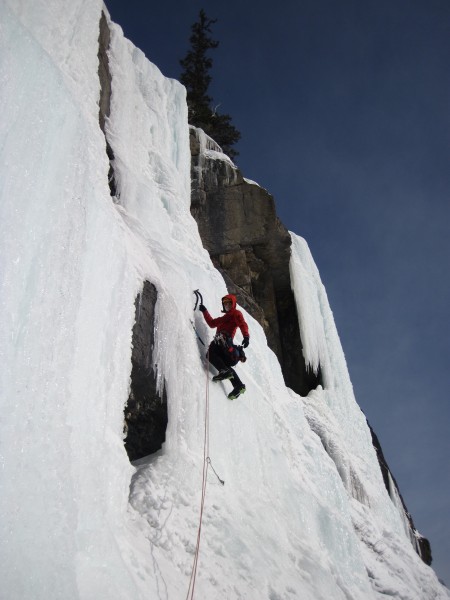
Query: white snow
[(250, 182), (303, 512)]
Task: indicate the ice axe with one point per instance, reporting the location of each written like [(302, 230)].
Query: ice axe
[(199, 298)]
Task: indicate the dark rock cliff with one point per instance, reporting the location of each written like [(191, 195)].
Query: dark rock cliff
[(250, 246), (422, 545), (104, 75)]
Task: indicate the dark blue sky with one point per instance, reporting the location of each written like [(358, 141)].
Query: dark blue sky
[(344, 110)]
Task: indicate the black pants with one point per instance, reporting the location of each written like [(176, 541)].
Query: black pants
[(218, 357)]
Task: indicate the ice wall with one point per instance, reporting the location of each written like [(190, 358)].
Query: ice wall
[(64, 321), (301, 513)]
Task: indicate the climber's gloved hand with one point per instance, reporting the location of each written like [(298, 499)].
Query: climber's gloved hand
[(245, 341), (202, 308)]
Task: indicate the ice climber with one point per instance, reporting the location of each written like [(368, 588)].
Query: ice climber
[(222, 353)]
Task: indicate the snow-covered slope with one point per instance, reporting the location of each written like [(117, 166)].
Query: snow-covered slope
[(304, 512)]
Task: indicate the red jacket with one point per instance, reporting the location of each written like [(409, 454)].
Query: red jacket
[(230, 321)]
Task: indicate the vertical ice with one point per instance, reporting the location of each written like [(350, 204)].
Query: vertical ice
[(302, 513)]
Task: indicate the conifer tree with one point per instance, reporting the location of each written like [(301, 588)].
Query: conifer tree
[(196, 78)]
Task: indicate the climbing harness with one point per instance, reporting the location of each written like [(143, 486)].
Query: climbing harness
[(206, 464)]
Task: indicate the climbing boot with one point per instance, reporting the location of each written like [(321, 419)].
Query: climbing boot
[(223, 374), (236, 392)]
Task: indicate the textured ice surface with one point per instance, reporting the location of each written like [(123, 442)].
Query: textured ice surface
[(304, 512)]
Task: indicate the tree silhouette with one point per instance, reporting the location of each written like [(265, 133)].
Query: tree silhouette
[(196, 78)]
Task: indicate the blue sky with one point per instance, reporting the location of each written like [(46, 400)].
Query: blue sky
[(344, 111)]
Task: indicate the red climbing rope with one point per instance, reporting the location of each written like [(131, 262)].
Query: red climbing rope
[(206, 463)]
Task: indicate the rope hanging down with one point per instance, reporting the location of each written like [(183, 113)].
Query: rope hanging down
[(206, 464)]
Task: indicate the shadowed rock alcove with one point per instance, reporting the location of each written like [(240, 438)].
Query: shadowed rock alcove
[(146, 409)]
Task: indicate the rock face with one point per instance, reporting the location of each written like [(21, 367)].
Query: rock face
[(104, 76), (421, 544), (146, 410), (250, 246)]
